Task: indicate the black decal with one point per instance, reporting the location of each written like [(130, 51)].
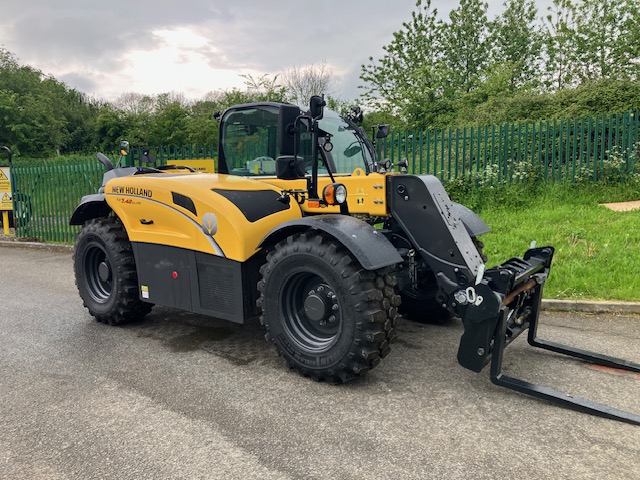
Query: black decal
[(184, 202), (254, 204)]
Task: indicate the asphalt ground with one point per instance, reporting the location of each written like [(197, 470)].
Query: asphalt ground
[(184, 396)]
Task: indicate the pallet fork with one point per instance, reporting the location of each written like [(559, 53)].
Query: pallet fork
[(512, 295)]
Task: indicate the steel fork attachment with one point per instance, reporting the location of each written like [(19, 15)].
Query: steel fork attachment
[(539, 391), (485, 337)]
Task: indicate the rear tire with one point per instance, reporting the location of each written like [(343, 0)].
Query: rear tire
[(327, 316), (106, 274)]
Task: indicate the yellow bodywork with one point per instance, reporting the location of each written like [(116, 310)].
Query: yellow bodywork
[(145, 204), (366, 194)]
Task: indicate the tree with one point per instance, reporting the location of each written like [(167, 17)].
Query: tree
[(605, 44), (590, 40), (405, 80), (135, 103), (559, 45), (464, 47), (516, 44), (112, 125), (264, 88), (202, 127), (302, 83), (41, 115)]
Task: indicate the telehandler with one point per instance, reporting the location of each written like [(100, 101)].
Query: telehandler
[(305, 227)]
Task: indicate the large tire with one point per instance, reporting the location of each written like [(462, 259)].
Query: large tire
[(329, 318), (106, 274)]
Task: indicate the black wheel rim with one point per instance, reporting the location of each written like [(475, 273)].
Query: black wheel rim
[(98, 273), (310, 311)]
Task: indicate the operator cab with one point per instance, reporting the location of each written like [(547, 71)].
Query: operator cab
[(251, 141)]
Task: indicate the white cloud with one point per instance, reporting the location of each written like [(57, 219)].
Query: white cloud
[(154, 46)]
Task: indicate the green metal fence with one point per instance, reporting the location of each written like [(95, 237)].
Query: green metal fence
[(588, 148), (45, 197), (584, 149)]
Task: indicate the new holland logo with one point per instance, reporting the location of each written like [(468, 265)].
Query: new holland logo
[(209, 224)]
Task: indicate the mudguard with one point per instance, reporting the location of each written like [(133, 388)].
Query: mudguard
[(472, 222), (371, 248), (95, 205), (91, 206)]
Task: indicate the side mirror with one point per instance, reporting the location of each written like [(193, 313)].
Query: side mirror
[(287, 137), (289, 167), (352, 150), (124, 147), (316, 107), (146, 157), (383, 131)]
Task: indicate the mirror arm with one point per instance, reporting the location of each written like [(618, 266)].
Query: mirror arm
[(313, 187)]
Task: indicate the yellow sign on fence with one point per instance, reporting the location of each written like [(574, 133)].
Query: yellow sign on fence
[(207, 165), (5, 189)]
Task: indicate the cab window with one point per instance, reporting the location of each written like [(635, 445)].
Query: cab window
[(349, 150), (249, 140)]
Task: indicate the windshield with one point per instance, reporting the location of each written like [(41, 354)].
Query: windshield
[(349, 149), (250, 146)]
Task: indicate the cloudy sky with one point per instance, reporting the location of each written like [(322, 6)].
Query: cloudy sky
[(109, 47)]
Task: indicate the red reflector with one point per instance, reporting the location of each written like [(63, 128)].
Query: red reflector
[(174, 275)]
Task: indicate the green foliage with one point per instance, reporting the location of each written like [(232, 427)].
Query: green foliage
[(593, 98), (40, 114), (516, 43), (592, 243), (464, 45), (404, 79), (589, 40), (382, 118), (42, 117), (582, 59)]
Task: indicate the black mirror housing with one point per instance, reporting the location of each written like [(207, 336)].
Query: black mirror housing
[(316, 107), (289, 167), (287, 137), (383, 131)]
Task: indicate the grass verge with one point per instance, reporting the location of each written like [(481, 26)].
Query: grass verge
[(597, 250)]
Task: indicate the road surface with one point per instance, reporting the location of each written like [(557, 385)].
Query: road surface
[(184, 396)]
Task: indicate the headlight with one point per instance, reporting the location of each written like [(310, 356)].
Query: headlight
[(334, 194)]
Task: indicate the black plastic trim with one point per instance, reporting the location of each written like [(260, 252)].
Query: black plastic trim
[(254, 204), (91, 206), (370, 247), (184, 202)]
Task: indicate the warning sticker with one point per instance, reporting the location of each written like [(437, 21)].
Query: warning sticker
[(144, 290), (5, 189)]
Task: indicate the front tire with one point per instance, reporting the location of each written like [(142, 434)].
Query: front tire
[(106, 274), (327, 316)]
